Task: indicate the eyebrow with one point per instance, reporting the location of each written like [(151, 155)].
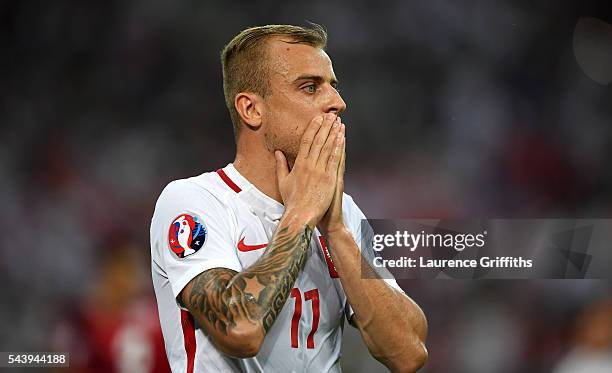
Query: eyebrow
[(316, 78)]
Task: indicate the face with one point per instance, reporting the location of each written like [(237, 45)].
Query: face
[(302, 86)]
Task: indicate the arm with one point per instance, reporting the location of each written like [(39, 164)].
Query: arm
[(392, 325), (238, 308)]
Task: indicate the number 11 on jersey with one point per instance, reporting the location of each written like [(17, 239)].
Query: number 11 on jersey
[(313, 297)]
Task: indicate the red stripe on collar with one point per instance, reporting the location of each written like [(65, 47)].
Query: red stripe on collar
[(228, 181)]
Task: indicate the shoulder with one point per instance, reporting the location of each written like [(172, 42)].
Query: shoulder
[(197, 189), (353, 216), (197, 202), (201, 196), (350, 210)]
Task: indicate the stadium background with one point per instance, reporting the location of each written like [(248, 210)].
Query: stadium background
[(476, 109)]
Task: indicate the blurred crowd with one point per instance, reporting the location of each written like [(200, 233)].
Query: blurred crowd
[(455, 109)]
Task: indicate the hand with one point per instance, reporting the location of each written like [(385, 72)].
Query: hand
[(333, 220), (309, 187)]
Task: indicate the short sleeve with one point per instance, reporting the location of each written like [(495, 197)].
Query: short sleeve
[(362, 232), (191, 232)]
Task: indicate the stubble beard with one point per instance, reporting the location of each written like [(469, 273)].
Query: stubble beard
[(273, 143)]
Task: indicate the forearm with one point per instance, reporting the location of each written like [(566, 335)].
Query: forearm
[(242, 306), (393, 326), (263, 288)]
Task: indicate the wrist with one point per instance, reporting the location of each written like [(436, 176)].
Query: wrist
[(336, 231), (299, 218)]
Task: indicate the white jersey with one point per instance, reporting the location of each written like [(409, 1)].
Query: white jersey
[(219, 219)]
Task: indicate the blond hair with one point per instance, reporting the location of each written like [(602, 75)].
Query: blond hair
[(245, 64)]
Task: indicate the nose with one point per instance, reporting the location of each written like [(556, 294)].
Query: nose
[(335, 103)]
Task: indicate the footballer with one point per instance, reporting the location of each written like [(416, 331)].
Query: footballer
[(257, 264)]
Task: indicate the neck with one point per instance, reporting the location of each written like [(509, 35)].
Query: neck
[(259, 168)]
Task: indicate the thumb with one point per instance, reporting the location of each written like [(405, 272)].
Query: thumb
[(282, 169)]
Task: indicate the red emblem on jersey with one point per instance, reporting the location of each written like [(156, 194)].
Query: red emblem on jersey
[(244, 247), (187, 235)]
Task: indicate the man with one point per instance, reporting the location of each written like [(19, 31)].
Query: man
[(256, 264)]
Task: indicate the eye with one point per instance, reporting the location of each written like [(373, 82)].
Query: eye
[(311, 88)]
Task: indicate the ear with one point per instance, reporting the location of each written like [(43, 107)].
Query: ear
[(249, 106)]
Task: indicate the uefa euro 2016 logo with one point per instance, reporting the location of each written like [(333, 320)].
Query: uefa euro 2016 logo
[(187, 235)]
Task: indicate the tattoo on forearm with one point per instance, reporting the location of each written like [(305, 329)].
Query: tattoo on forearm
[(258, 294)]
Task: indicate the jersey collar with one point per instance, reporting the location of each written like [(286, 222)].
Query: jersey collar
[(259, 203)]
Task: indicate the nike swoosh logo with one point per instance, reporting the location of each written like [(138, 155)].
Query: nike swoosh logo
[(244, 247)]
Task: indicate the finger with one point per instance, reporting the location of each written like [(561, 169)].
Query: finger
[(282, 169), (308, 137), (337, 152), (341, 168), (321, 137), (330, 143), (340, 182)]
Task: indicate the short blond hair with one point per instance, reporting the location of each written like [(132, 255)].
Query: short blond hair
[(244, 59)]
